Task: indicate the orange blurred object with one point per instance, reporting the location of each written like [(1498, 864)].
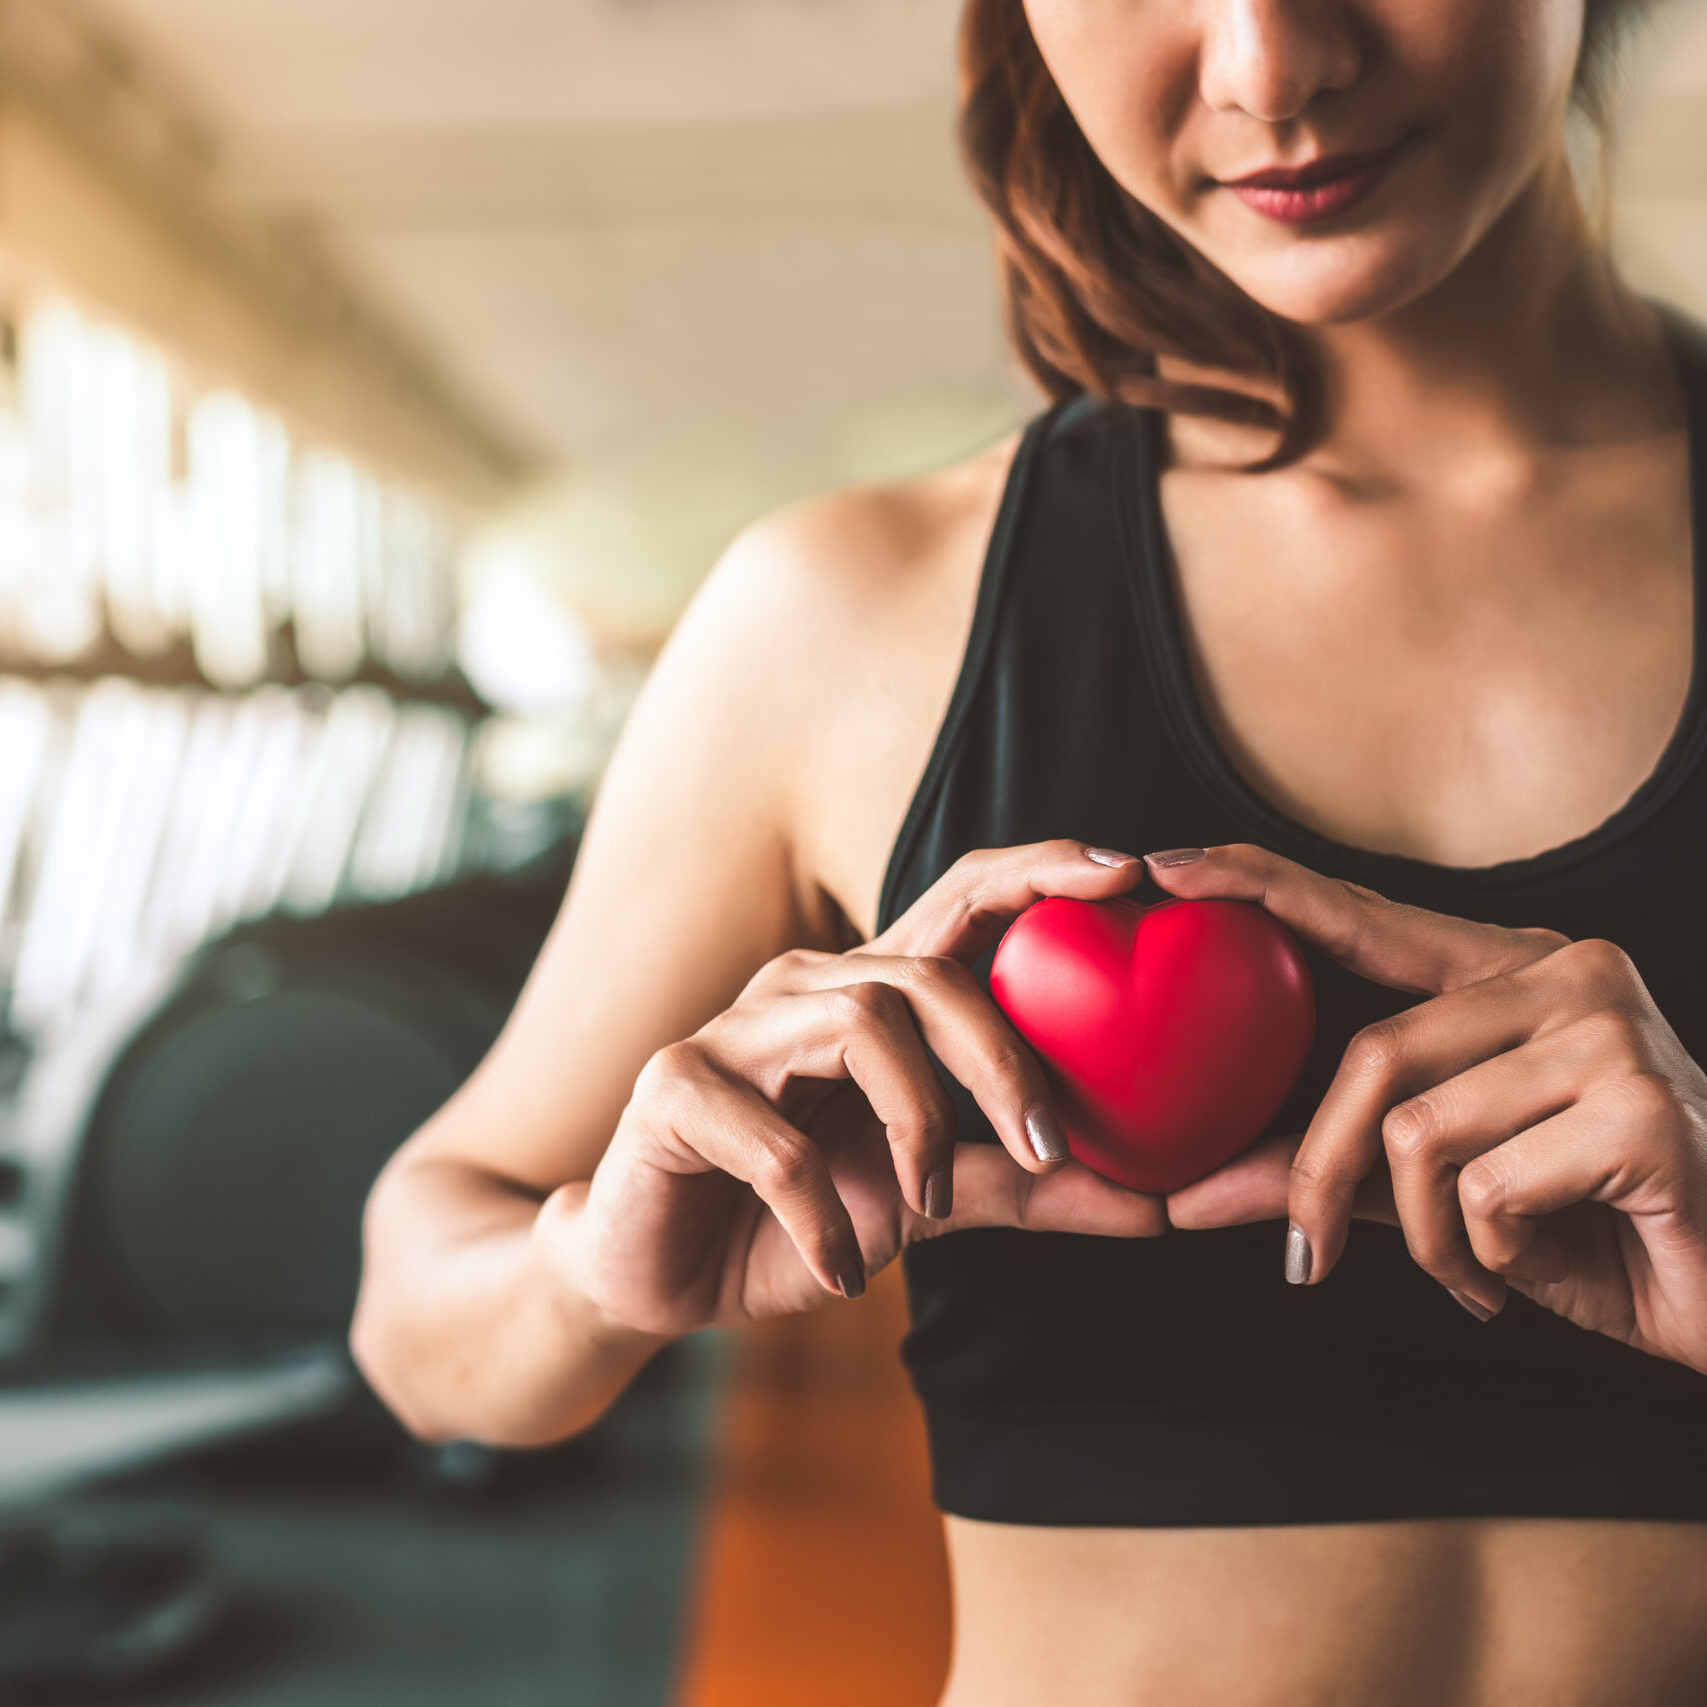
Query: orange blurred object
[(822, 1576)]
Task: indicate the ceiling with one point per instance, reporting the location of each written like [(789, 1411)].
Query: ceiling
[(701, 255), (442, 64)]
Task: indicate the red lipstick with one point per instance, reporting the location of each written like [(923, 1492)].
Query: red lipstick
[(1299, 195)]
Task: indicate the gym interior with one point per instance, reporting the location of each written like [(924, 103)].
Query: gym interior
[(378, 381)]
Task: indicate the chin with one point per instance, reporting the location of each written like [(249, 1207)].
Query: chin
[(1344, 282)]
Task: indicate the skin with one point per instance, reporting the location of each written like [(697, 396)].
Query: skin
[(711, 1102)]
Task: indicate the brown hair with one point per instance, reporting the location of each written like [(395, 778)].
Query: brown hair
[(1097, 287)]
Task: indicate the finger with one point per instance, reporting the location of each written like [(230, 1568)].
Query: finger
[(1254, 1187), (981, 894), (864, 1032), (1385, 1064), (1430, 1137), (968, 1033), (992, 1191), (705, 1119), (1389, 942), (1623, 1145), (1535, 1253), (1251, 1187)]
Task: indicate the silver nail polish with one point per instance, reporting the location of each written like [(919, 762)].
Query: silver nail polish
[(1108, 856), (1175, 856), (1048, 1141), (1298, 1257), (1480, 1311), (939, 1193)]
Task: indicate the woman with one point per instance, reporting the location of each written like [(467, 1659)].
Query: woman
[(1381, 582)]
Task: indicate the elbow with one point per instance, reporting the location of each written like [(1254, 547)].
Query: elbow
[(377, 1338), (389, 1375), (370, 1352), (428, 1366)]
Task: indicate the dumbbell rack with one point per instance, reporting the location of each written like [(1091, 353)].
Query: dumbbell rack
[(259, 712)]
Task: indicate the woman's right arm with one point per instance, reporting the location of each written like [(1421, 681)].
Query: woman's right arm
[(467, 1322), (702, 1109)]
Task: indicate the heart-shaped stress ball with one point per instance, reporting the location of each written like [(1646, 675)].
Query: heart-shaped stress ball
[(1172, 1032)]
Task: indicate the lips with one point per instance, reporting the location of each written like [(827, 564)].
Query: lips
[(1297, 195)]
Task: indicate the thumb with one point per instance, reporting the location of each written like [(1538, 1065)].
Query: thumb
[(1253, 1187), (991, 1189)]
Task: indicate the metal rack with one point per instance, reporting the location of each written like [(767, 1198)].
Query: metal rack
[(227, 688)]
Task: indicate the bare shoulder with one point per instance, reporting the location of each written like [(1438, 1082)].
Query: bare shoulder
[(865, 553), (748, 807), (899, 524), (865, 597)]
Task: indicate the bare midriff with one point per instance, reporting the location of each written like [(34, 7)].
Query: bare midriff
[(1444, 1613)]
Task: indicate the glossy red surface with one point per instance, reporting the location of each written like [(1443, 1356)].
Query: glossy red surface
[(1173, 1032)]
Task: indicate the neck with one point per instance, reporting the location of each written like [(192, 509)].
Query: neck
[(1530, 343)]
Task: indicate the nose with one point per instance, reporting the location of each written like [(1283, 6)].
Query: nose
[(1271, 58)]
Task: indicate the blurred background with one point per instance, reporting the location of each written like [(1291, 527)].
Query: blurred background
[(377, 380)]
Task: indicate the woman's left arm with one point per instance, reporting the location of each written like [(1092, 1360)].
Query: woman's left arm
[(1534, 1122)]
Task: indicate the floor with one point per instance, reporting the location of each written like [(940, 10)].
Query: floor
[(360, 1575), (751, 1528), (822, 1573)]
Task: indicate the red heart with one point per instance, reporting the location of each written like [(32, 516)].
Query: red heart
[(1173, 1032)]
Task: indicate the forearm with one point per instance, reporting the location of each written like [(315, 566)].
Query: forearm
[(468, 1324)]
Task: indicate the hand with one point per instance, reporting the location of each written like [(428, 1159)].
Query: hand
[(802, 1138), (1534, 1123)]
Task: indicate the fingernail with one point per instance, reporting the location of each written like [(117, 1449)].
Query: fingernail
[(1480, 1311), (1108, 856), (1174, 856), (851, 1281), (1298, 1258), (1047, 1139), (939, 1193)]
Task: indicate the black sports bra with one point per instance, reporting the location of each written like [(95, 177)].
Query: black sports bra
[(1069, 1379)]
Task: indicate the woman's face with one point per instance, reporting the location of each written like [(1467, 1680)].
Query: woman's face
[(1429, 118)]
